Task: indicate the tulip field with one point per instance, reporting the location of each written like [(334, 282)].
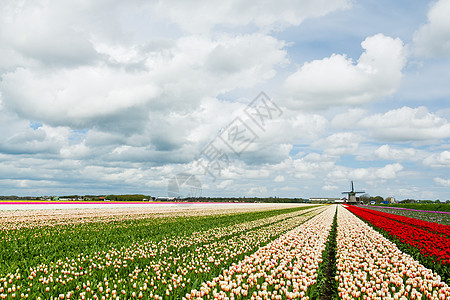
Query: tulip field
[(428, 242), (441, 217), (253, 252), (372, 267)]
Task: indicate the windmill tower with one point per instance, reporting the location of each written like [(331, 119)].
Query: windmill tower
[(352, 195)]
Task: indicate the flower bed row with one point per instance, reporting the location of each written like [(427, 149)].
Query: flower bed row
[(429, 244), (435, 217), (286, 268), (425, 225), (215, 233), (371, 267), (24, 247), (145, 269), (13, 220)]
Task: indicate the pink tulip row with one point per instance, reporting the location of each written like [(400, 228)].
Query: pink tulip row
[(285, 268), (164, 268), (36, 218), (371, 267)]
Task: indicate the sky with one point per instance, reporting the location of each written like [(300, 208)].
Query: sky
[(230, 99)]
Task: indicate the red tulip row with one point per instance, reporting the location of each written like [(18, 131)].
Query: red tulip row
[(429, 244), (429, 226)]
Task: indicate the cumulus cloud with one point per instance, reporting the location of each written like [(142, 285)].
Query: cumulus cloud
[(103, 95), (389, 153), (438, 160), (203, 15), (312, 164), (348, 118), (337, 80), (341, 143), (433, 38), (279, 178), (442, 181), (407, 124), (389, 171), (330, 187), (55, 33), (78, 98)]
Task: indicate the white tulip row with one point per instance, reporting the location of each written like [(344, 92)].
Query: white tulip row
[(285, 268)]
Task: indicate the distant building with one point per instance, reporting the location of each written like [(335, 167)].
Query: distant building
[(325, 200), (165, 198), (65, 199), (391, 200)]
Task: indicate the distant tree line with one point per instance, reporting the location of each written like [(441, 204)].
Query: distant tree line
[(248, 200), (135, 197), (18, 198), (366, 198)]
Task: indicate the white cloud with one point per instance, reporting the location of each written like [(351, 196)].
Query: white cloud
[(224, 184), (348, 118), (79, 97), (97, 95), (312, 164), (18, 137), (407, 124), (204, 15), (341, 143), (279, 178), (259, 191), (389, 153), (438, 160), (389, 171), (52, 32), (441, 181), (337, 80), (414, 192), (330, 187), (433, 38)]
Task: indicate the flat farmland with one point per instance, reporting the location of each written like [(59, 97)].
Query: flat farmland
[(216, 251)]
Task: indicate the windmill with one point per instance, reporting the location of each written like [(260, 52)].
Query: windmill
[(352, 195)]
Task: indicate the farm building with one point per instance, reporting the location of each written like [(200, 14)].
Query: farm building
[(325, 200)]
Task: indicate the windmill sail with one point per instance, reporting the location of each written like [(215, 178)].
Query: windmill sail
[(352, 195)]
